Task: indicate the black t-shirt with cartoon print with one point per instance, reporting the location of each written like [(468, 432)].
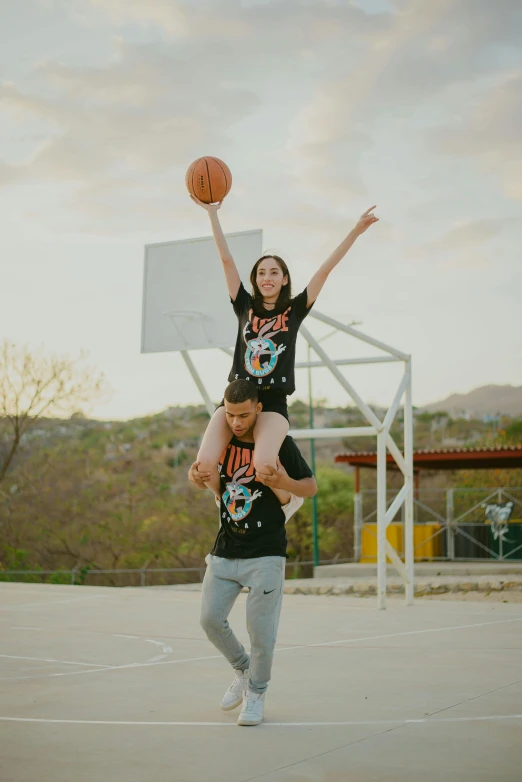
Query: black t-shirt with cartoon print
[(265, 346), (252, 520)]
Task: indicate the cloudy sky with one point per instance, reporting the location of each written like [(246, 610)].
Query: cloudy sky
[(320, 109)]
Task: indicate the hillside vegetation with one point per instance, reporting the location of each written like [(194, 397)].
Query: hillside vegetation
[(106, 495)]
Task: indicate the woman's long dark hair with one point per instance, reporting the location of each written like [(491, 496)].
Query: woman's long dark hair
[(285, 294)]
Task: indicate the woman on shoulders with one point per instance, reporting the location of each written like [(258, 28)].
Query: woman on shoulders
[(268, 323)]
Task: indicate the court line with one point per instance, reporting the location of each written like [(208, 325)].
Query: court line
[(399, 722), (53, 603), (47, 660), (115, 667), (281, 649), (406, 632)]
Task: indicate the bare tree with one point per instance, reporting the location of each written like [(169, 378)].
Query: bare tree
[(33, 385)]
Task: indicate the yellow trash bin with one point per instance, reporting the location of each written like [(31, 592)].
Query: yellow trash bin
[(369, 540), (424, 547)]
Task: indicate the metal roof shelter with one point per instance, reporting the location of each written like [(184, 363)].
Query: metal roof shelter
[(500, 457), (497, 457)]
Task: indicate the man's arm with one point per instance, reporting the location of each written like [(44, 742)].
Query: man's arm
[(279, 479), (204, 480)]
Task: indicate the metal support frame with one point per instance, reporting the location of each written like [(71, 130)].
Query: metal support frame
[(198, 381), (376, 428)]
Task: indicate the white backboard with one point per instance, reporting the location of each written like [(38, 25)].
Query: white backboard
[(186, 305)]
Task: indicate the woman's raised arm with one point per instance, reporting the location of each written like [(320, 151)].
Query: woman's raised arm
[(232, 277), (315, 285)]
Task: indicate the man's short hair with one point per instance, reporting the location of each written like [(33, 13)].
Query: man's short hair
[(239, 391)]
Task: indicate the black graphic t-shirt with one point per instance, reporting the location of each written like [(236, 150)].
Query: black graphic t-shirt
[(252, 520), (265, 345)]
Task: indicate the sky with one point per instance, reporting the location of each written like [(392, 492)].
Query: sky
[(320, 109)]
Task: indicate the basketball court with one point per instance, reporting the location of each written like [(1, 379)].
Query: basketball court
[(122, 684)]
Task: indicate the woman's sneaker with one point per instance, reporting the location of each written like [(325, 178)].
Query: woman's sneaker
[(234, 695), (253, 708)]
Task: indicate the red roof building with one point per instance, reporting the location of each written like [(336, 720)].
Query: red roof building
[(498, 457)]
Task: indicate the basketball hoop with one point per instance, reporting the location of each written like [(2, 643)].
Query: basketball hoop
[(190, 318)]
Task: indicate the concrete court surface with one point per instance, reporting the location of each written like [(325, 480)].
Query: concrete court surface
[(121, 684)]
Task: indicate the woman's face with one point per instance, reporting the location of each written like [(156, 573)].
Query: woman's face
[(270, 279)]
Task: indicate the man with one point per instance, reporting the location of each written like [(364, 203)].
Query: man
[(250, 549)]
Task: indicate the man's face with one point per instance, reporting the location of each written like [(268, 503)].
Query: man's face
[(241, 417)]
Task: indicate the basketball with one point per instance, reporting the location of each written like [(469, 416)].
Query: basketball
[(209, 179)]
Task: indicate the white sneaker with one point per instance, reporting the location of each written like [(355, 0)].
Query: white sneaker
[(253, 708), (293, 504), (234, 694)]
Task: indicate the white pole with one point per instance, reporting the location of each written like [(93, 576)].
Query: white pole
[(381, 520), (198, 381), (450, 532), (392, 412), (396, 504), (363, 407), (335, 432), (408, 479), (397, 455), (354, 333), (340, 362), (357, 518)]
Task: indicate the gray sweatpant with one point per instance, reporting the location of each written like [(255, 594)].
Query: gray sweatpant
[(224, 580)]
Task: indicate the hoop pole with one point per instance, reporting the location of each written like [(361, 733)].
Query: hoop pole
[(315, 527), (408, 481), (198, 381), (381, 520), (333, 433), (363, 407), (397, 455), (354, 333), (392, 412), (342, 362)]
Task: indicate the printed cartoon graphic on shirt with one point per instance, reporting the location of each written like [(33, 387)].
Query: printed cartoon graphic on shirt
[(236, 468), (237, 497), (261, 352)]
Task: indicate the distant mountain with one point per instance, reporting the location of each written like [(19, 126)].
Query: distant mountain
[(486, 400)]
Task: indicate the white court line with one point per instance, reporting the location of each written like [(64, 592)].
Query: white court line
[(120, 635), (407, 632), (47, 660), (425, 721), (53, 603), (165, 649), (282, 649), (116, 667)]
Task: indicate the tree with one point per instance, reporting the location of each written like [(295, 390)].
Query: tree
[(33, 386)]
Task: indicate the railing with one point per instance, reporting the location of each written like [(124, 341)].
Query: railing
[(78, 574), (455, 510)]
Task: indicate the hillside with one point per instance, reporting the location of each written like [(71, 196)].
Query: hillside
[(486, 400), (94, 494)]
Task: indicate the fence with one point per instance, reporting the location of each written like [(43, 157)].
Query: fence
[(144, 576), (457, 516)]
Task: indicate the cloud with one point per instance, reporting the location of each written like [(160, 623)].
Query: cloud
[(308, 89), (154, 107), (408, 64), (464, 245), (467, 234), (168, 16), (489, 129), (138, 111)]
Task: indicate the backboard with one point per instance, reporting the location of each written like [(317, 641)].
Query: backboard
[(185, 301)]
